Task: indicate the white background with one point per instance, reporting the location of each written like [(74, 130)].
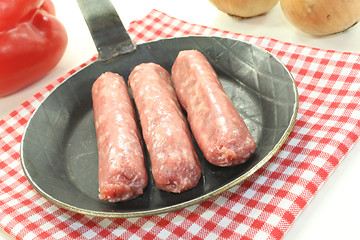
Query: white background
[(334, 211)]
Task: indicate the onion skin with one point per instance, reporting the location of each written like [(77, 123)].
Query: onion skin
[(321, 17), (244, 8)]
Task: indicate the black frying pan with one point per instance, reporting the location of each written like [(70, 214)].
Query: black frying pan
[(59, 151)]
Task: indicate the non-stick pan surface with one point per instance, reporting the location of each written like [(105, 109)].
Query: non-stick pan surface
[(59, 152)]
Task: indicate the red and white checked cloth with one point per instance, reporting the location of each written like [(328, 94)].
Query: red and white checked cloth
[(262, 207)]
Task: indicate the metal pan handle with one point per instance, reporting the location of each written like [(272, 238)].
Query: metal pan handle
[(108, 32)]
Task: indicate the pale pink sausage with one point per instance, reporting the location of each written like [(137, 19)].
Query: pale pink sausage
[(174, 163), (216, 125), (122, 173)]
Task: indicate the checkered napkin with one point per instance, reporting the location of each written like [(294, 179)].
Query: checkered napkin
[(262, 207)]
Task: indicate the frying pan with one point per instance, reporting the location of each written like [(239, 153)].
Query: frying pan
[(59, 151)]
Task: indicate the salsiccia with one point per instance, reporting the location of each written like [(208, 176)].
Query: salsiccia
[(122, 173), (218, 128), (174, 163)]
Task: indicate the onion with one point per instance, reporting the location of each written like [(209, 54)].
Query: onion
[(322, 17), (244, 8)]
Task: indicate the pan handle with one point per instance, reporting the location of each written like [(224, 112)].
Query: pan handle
[(108, 32)]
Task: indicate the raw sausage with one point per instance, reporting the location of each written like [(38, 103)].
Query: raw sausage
[(174, 163), (216, 125), (122, 173)]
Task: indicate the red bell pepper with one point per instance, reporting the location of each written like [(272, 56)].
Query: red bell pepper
[(32, 42)]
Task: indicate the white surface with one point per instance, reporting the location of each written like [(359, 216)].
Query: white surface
[(333, 213)]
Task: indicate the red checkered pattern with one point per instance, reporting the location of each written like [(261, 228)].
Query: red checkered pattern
[(262, 207)]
